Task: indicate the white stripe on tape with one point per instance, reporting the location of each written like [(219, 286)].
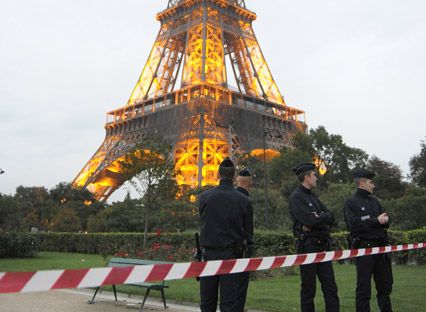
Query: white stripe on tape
[(94, 277), (266, 263), (177, 271), (138, 274), (361, 252), (310, 257), (211, 268), (329, 255), (240, 265), (42, 280), (289, 261)]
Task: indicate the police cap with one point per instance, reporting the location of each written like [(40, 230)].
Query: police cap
[(363, 173), (245, 172), (303, 167), (227, 169), (227, 163)]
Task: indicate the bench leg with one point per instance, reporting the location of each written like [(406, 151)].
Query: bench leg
[(115, 292), (94, 295), (144, 299), (164, 298)]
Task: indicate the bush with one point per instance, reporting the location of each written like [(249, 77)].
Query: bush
[(18, 245), (180, 246)]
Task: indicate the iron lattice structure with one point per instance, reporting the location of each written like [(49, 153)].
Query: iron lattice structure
[(204, 120)]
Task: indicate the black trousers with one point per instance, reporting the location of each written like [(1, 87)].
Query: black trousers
[(309, 273), (380, 268), (228, 285), (242, 292)]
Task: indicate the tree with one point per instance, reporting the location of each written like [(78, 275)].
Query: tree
[(175, 216), (418, 166), (339, 158), (66, 220), (31, 200), (125, 216), (278, 210), (408, 212), (388, 179), (334, 198), (30, 221), (282, 176), (150, 170), (10, 216), (81, 200)]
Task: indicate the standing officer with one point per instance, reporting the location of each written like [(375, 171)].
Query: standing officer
[(367, 223), (226, 223), (244, 183), (312, 221)]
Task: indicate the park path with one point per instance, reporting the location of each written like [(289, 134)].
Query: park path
[(76, 301)]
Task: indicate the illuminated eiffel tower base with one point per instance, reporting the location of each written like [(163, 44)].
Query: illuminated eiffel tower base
[(204, 119)]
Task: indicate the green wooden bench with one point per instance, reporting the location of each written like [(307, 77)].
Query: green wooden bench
[(123, 262)]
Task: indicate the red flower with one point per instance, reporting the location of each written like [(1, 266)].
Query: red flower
[(158, 232), (139, 254), (156, 246)]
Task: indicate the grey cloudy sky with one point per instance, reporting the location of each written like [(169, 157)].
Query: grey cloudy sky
[(355, 66)]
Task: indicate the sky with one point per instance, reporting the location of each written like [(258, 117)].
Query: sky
[(355, 66)]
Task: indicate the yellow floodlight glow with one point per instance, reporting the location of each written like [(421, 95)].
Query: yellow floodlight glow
[(321, 167)]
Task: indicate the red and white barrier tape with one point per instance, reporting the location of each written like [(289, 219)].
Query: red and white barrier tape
[(12, 282)]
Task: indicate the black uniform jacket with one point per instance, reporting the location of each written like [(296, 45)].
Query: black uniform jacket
[(242, 190), (226, 217), (303, 204), (361, 212)]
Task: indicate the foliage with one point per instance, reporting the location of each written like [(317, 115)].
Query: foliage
[(10, 216), (334, 199), (180, 246), (407, 212), (36, 207), (14, 245), (66, 220), (388, 179), (150, 170), (338, 157), (278, 210), (418, 166), (282, 176)]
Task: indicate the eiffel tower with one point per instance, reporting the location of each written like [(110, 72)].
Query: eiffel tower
[(205, 119)]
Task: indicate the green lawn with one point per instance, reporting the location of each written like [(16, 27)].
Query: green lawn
[(279, 293)]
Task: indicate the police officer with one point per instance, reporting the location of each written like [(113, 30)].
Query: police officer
[(244, 183), (367, 223), (312, 221), (226, 222)]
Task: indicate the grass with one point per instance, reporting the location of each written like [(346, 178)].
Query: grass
[(279, 293)]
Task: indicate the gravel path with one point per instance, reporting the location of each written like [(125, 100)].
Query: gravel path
[(76, 301)]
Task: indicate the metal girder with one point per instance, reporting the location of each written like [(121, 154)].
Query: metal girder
[(204, 120), (204, 56)]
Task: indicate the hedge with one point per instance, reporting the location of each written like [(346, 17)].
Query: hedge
[(18, 245), (180, 246)]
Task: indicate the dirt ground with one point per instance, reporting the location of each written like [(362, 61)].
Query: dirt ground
[(76, 301)]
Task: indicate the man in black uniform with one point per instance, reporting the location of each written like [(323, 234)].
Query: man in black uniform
[(226, 223), (312, 221), (367, 223), (244, 183)]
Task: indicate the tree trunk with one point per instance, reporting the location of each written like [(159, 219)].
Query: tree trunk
[(145, 233)]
